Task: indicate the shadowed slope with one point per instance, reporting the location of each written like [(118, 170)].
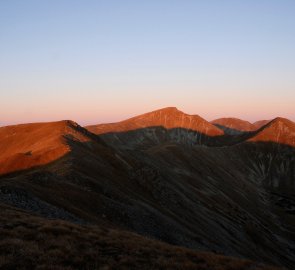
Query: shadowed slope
[(30, 242), (161, 126), (208, 198), (225, 193)]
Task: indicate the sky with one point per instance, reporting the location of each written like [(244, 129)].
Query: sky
[(105, 61)]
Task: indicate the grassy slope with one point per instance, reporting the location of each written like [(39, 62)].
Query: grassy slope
[(31, 242)]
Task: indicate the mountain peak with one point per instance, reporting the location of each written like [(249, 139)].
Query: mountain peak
[(159, 126), (166, 111), (168, 118), (282, 120), (279, 124), (279, 130), (169, 109)]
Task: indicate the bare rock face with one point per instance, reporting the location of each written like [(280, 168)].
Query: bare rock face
[(166, 175)]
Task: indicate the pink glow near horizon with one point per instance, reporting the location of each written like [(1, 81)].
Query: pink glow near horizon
[(105, 62), (87, 115)]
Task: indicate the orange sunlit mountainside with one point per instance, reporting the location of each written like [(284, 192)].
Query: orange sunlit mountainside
[(147, 135), (29, 145), (167, 118), (161, 165)]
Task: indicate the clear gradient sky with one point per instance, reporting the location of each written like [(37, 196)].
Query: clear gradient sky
[(102, 61)]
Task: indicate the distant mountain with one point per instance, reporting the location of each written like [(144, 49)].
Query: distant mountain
[(168, 118), (164, 175), (233, 126), (260, 123), (164, 125)]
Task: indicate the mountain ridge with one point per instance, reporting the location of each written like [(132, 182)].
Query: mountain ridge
[(161, 117), (231, 194)]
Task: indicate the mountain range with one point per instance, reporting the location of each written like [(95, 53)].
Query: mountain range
[(225, 187)]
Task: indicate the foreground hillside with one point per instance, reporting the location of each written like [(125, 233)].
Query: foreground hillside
[(30, 242)]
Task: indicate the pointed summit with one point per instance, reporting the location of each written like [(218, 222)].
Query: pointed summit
[(168, 109)]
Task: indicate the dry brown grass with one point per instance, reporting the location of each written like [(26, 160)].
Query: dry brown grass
[(29, 242)]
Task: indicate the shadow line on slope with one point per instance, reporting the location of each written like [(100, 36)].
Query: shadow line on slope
[(233, 131), (177, 135)]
